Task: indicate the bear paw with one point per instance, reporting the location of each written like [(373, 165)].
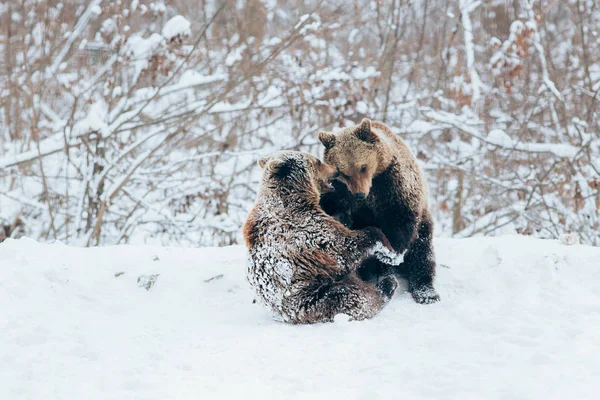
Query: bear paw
[(388, 286), (386, 255), (425, 295)]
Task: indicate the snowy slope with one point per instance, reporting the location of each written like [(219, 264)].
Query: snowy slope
[(519, 319)]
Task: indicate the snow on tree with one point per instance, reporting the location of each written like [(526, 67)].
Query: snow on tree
[(127, 121), (177, 26)]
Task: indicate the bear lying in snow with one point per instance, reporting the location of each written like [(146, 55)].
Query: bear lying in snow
[(303, 262), (382, 186)]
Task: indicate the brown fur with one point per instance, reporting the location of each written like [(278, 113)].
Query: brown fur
[(385, 189), (14, 230), (303, 262), (360, 156)]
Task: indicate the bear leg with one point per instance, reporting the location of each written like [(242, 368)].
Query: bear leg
[(350, 296), (419, 263)]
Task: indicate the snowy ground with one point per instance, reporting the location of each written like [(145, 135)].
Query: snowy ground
[(519, 319)]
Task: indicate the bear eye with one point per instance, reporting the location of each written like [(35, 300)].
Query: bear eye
[(363, 169)]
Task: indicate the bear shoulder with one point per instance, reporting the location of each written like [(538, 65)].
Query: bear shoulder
[(405, 172), (397, 145)]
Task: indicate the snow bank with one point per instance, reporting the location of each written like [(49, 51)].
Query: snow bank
[(519, 319)]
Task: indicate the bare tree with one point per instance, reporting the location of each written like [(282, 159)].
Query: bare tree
[(137, 120)]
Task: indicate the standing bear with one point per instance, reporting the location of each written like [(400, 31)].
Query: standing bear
[(303, 262), (382, 186)]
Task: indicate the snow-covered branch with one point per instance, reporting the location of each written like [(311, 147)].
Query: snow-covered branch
[(539, 48), (497, 137), (133, 121), (466, 7)]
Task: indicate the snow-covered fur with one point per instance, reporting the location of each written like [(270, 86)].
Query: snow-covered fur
[(303, 262), (381, 185)]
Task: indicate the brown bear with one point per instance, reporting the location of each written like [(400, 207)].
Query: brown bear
[(381, 185), (302, 262)]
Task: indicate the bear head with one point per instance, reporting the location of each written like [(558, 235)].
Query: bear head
[(358, 153), (297, 172)]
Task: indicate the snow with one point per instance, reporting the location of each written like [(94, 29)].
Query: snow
[(537, 42), (362, 107), (466, 7), (80, 26), (569, 239), (176, 26), (94, 121), (519, 319), (193, 78), (336, 74), (235, 56), (50, 145), (383, 254), (301, 20), (141, 49), (497, 137)]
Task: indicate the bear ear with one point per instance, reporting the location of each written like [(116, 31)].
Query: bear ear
[(327, 138), (279, 167), (364, 132), (262, 161)]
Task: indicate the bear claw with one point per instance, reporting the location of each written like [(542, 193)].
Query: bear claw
[(425, 295)]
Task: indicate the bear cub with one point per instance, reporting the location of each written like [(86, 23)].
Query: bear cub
[(380, 184), (303, 262)]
